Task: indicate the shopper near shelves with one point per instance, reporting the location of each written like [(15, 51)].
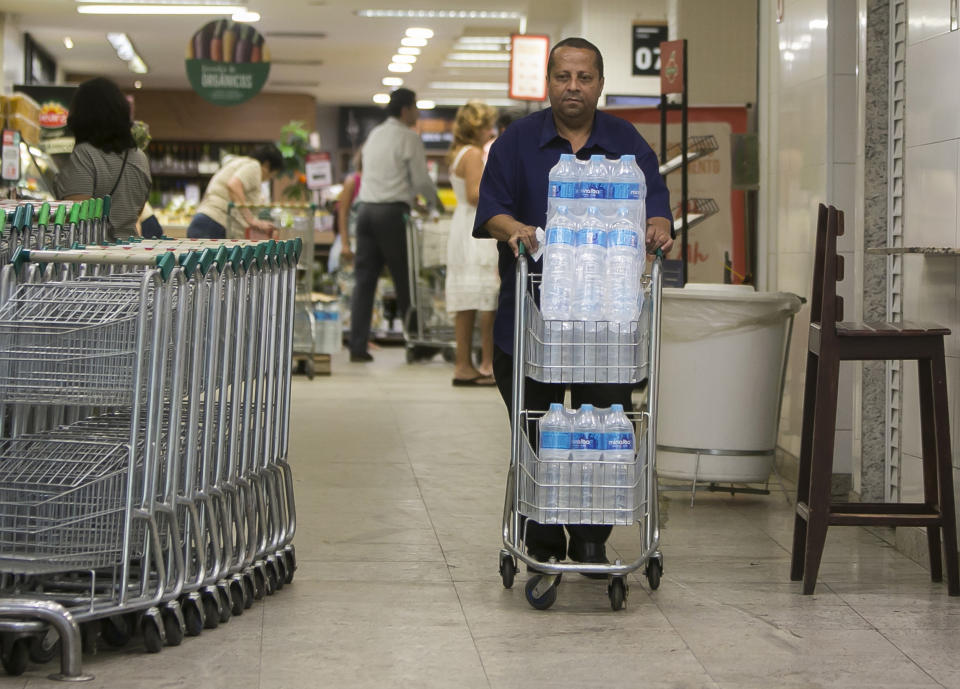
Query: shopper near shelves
[(513, 203), (105, 159), (472, 282), (237, 182), (394, 172)]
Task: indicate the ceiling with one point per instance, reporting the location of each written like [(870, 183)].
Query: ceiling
[(342, 62)]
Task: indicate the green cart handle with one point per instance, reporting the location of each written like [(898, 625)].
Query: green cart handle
[(106, 206), (3, 221), (75, 213), (166, 263), (43, 217), (60, 215), (189, 261), (97, 209), (27, 217), (206, 259), (85, 210)]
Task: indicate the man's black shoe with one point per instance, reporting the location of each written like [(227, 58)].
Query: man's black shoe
[(362, 357), (590, 553)]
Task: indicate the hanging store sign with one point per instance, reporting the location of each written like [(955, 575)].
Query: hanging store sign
[(319, 170), (646, 48), (227, 62), (671, 75), (528, 66)]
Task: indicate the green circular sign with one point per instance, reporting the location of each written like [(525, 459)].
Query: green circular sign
[(227, 62)]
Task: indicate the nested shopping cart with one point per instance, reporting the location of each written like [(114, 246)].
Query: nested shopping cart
[(144, 480), (53, 225), (548, 492)]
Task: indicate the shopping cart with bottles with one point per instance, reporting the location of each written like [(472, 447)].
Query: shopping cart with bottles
[(293, 221), (566, 352), (144, 482)]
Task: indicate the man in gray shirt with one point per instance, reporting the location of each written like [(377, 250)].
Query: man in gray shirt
[(394, 172)]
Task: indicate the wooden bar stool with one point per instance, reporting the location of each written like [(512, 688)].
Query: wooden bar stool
[(831, 341)]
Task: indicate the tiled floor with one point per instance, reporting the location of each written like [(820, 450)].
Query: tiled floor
[(400, 481)]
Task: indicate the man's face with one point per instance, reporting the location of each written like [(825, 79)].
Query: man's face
[(410, 115), (574, 84)]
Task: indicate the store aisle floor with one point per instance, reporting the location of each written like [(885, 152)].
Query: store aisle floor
[(399, 487)]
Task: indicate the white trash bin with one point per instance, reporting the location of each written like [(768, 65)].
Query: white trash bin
[(723, 350)]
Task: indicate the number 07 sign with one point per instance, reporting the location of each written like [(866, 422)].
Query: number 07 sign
[(528, 66)]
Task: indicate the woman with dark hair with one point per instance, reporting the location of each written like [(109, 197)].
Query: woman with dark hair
[(237, 181), (105, 158)]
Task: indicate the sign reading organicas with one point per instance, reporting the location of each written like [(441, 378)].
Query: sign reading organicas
[(227, 62)]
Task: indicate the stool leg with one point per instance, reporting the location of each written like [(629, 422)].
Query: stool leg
[(821, 467), (929, 425), (803, 473), (945, 471)]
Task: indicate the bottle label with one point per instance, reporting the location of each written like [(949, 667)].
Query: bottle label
[(586, 441), (563, 190), (561, 235), (591, 190), (554, 440), (618, 441), (629, 191), (591, 237), (622, 238)]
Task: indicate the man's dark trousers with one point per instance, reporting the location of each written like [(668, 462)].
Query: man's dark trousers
[(381, 240)]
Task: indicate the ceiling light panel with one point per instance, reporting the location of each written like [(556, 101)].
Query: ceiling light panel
[(468, 86), (413, 42), (406, 50), (419, 32), (408, 59), (399, 67), (120, 8), (392, 81), (439, 14)]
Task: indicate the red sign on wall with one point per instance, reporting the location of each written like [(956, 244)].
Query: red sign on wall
[(671, 67)]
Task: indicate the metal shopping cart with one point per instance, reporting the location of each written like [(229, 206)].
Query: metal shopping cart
[(427, 329), (144, 481), (582, 352)]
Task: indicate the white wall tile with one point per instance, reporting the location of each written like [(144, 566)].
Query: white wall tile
[(795, 272), (927, 18), (843, 36), (930, 295), (933, 90), (803, 42), (930, 203), (843, 195), (844, 109)]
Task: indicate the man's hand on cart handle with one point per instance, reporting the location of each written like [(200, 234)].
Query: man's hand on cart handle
[(526, 234), (658, 235)]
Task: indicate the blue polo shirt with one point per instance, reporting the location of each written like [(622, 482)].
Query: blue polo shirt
[(515, 179)]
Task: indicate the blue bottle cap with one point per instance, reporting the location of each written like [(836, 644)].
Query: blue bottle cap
[(616, 407)]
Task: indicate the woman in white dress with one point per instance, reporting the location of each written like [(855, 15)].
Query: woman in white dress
[(472, 280)]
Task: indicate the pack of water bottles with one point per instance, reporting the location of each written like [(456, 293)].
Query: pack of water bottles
[(588, 469), (596, 220)]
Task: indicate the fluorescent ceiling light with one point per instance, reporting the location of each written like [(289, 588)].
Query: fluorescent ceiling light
[(475, 64), (68, 42), (159, 9), (440, 14), (419, 32), (480, 57), (126, 52), (426, 105), (138, 84), (399, 67), (405, 50), (246, 16), (409, 59), (413, 42), (480, 47), (381, 98), (392, 81), (468, 85)]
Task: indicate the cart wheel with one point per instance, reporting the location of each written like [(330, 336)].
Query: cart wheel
[(115, 631), (273, 580), (309, 368), (226, 609), (449, 354), (548, 598), (89, 636), (44, 648), (259, 584), (654, 572), (171, 625), (290, 561), (211, 611), (507, 569), (192, 618), (15, 658), (280, 567), (238, 598), (152, 640), (617, 590), (411, 357), (249, 591)]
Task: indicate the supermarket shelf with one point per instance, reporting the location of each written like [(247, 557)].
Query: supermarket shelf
[(698, 210), (698, 147)]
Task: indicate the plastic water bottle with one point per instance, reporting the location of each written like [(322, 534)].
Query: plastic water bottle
[(586, 447), (627, 180), (594, 184), (619, 449), (559, 255), (590, 267), (562, 187), (555, 439), (622, 285)]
